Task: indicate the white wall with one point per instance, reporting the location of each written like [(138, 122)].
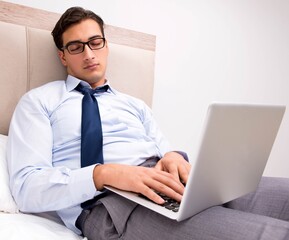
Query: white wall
[(207, 50)]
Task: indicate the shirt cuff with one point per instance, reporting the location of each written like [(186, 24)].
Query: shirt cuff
[(82, 184)]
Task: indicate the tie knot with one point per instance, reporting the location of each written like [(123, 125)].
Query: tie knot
[(86, 89)]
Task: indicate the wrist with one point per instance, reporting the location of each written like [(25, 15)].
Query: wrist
[(177, 154), (98, 178), (183, 154)]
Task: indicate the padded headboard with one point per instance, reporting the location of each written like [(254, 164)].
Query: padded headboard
[(28, 57)]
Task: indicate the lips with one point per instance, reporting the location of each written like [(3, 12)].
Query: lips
[(91, 66)]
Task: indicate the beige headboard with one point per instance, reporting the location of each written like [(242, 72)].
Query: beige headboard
[(28, 57)]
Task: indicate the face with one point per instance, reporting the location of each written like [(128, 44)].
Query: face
[(90, 65)]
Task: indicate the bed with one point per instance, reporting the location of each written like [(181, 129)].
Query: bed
[(25, 64)]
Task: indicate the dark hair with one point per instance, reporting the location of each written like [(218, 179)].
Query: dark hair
[(73, 16)]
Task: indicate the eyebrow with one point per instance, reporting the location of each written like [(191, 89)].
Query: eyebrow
[(78, 41)]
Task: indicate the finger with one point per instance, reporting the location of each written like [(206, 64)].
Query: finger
[(159, 166), (165, 183), (173, 170), (152, 195), (169, 179), (184, 171)]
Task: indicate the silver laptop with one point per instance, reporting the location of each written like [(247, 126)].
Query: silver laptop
[(234, 147)]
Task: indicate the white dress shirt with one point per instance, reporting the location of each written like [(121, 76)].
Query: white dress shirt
[(44, 145)]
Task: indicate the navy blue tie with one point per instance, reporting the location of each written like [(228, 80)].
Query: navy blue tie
[(91, 130)]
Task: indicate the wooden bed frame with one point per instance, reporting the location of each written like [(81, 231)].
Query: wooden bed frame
[(37, 18)]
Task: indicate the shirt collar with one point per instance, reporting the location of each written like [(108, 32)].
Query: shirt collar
[(72, 82)]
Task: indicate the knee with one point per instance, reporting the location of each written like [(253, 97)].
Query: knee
[(271, 198)]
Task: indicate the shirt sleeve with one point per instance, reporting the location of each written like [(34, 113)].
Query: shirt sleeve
[(35, 183), (154, 132)]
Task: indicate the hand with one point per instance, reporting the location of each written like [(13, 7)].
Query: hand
[(174, 163), (139, 180)]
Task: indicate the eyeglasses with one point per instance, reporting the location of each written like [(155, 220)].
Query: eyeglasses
[(77, 47)]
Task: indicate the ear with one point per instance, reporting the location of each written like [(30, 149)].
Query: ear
[(62, 58)]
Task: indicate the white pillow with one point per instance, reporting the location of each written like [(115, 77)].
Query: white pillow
[(28, 227), (7, 203)]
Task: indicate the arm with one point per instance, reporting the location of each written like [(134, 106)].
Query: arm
[(37, 183), (138, 179)]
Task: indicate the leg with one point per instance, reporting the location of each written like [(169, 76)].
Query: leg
[(217, 223), (270, 199)]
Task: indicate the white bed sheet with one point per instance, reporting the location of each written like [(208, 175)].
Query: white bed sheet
[(30, 227)]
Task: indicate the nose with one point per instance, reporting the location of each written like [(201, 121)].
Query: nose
[(88, 53)]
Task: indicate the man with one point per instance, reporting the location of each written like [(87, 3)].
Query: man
[(44, 153)]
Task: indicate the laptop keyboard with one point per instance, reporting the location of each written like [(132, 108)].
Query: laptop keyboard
[(169, 203)]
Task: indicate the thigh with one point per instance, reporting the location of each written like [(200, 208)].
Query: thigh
[(108, 218), (99, 225), (270, 199), (216, 223)]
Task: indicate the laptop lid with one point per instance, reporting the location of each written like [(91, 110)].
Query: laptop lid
[(233, 151)]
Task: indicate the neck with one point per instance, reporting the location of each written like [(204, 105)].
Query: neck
[(97, 84)]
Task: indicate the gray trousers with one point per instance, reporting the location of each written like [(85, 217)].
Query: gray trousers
[(261, 215)]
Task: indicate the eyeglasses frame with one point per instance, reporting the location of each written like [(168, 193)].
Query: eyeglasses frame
[(83, 44)]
